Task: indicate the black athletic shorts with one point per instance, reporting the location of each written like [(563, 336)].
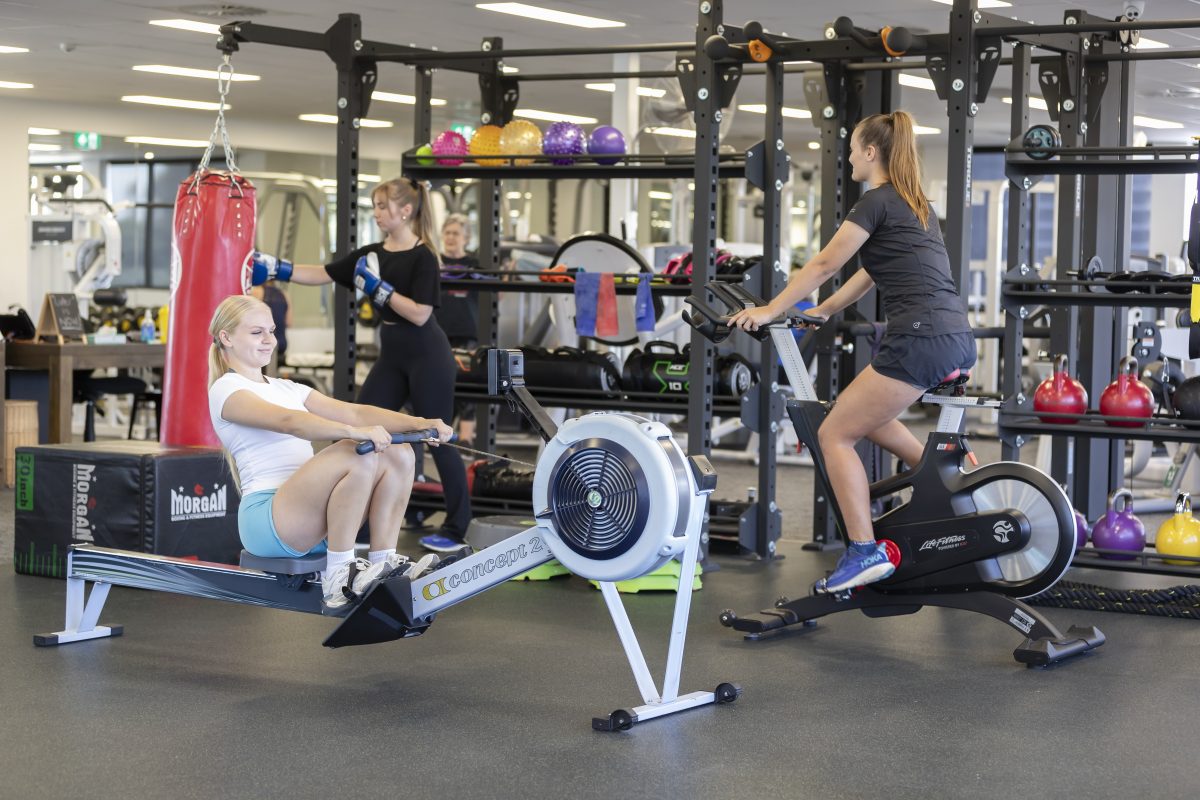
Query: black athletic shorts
[(923, 361)]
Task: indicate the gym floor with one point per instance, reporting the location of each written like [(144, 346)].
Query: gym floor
[(203, 699)]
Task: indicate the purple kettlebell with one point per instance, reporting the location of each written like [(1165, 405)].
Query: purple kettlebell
[(1081, 531), (1119, 529)]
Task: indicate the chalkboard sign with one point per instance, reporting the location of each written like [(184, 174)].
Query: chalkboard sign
[(60, 318)]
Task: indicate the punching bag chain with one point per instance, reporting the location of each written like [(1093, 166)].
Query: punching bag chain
[(224, 79)]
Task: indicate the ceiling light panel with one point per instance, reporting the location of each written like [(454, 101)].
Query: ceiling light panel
[(331, 119), (188, 25), (189, 72), (550, 15), (406, 99), (916, 81), (643, 91), (1034, 102), (1151, 122), (166, 142), (173, 102), (790, 113), (552, 116), (5, 49)]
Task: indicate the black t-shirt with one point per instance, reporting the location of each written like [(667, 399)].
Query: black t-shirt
[(457, 313), (413, 273), (909, 265)]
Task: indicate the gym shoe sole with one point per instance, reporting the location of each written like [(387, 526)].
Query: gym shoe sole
[(441, 544), (869, 575), (366, 578)]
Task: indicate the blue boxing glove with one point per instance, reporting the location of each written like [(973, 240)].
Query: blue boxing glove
[(265, 268), (367, 281)]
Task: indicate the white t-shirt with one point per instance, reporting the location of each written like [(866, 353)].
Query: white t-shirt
[(265, 459)]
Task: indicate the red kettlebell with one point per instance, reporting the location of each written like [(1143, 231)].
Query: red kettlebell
[(1062, 393), (1127, 396), (1118, 528)]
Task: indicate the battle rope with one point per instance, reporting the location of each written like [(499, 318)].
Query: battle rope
[(1177, 601)]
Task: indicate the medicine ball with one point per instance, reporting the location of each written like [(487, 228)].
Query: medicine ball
[(1163, 378), (1187, 399)]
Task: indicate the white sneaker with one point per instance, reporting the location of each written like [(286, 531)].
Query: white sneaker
[(401, 565), (347, 584)]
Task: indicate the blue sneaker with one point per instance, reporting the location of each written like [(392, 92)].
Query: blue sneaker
[(439, 543), (855, 569)]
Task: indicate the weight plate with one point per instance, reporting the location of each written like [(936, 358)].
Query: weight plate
[(1039, 137)]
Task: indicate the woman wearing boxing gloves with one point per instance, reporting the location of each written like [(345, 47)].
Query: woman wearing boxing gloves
[(400, 277)]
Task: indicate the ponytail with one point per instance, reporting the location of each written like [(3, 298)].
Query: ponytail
[(406, 191), (892, 134)]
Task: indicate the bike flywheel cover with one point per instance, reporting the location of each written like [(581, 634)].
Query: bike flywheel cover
[(1045, 557)]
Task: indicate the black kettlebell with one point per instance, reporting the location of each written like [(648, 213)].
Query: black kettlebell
[(1164, 379), (1187, 399)]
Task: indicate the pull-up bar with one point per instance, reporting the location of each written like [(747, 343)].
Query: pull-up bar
[(467, 55), (1088, 27)]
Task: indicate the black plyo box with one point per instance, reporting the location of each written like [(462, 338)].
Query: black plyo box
[(141, 496)]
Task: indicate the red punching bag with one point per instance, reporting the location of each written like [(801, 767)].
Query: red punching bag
[(214, 237)]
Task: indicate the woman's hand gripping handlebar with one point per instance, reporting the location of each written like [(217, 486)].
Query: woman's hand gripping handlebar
[(741, 305), (431, 436)]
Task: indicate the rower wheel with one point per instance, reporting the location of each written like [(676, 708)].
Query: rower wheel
[(615, 496)]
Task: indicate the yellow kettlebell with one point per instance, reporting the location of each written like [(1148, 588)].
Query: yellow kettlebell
[(1180, 535)]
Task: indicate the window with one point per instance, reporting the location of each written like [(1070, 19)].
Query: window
[(147, 226)]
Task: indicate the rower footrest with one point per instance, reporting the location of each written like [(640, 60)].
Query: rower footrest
[(384, 615)]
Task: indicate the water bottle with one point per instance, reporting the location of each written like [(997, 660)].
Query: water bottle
[(148, 334)]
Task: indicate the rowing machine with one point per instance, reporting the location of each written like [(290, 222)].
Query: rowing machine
[(615, 496)]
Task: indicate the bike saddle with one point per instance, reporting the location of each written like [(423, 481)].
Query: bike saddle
[(952, 384)]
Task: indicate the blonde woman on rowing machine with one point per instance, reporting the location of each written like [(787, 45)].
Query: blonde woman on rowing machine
[(294, 502)]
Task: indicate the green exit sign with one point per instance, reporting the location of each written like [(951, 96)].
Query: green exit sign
[(87, 140)]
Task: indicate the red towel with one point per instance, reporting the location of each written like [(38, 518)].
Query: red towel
[(606, 307)]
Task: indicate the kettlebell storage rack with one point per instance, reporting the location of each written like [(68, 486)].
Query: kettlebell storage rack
[(1088, 88)]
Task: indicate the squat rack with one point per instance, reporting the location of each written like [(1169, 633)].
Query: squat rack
[(357, 59)]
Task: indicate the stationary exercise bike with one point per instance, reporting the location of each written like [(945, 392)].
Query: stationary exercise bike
[(979, 541)]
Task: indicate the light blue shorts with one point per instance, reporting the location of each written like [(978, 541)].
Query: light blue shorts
[(256, 526)]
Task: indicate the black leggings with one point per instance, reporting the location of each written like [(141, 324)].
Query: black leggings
[(427, 384)]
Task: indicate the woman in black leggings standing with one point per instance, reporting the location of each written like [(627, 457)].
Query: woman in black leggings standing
[(400, 277)]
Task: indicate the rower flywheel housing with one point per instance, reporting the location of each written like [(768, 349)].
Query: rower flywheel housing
[(613, 495)]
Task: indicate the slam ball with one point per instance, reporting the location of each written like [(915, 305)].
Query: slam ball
[(450, 143), (563, 138), (519, 138), (486, 142), (606, 140)]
